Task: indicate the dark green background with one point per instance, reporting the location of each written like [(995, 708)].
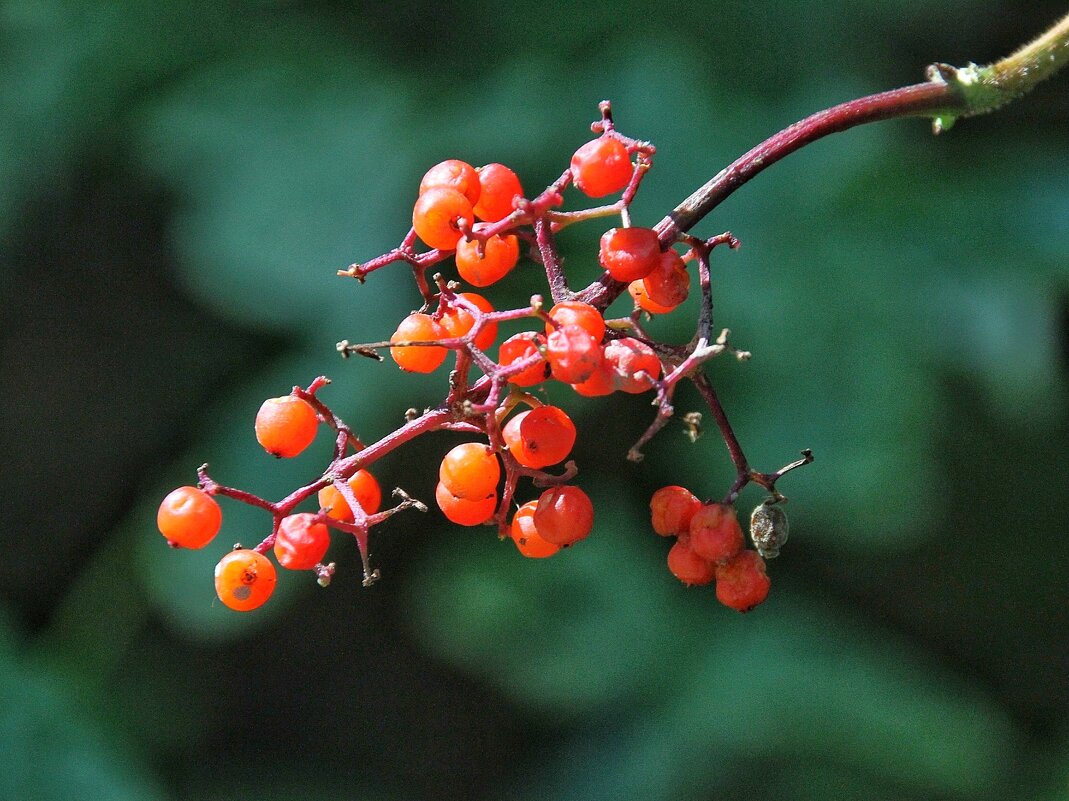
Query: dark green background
[(178, 183)]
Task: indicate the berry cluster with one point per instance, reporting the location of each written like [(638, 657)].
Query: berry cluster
[(482, 221)]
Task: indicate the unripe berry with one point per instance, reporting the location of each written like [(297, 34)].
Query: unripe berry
[(286, 426), (768, 529), (715, 533), (742, 583)]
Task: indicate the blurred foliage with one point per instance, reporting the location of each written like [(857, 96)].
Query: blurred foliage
[(180, 180)]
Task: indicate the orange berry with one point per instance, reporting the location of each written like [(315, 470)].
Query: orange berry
[(453, 174), (523, 532), (540, 437), (189, 517), (715, 533), (436, 216), (601, 166), (671, 509), (286, 426), (500, 187), (637, 289), (669, 282), (573, 312), (418, 327), (462, 511), (522, 346), (500, 254), (244, 579), (457, 321), (573, 354), (634, 365), (742, 583), (564, 515), (301, 542), (629, 254), (687, 566), (366, 489), (470, 471)]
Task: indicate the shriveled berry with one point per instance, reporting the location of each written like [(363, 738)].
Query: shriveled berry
[(573, 354), (418, 327), (524, 533), (637, 290), (574, 312), (437, 215), (768, 529), (286, 426), (522, 346), (601, 166), (601, 381), (366, 489), (742, 583), (453, 174), (499, 256), (668, 284), (500, 188), (470, 471), (564, 515), (462, 511), (301, 542), (189, 517), (715, 533), (540, 437), (689, 567), (629, 254), (457, 321), (671, 510), (244, 579), (633, 364)]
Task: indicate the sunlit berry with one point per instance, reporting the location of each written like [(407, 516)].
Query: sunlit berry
[(462, 511), (418, 327), (500, 188), (540, 437), (499, 256), (573, 354), (671, 510), (366, 489), (453, 174), (470, 471), (564, 515), (715, 533), (637, 290), (286, 426), (601, 166), (574, 312), (689, 567), (522, 346), (437, 215), (457, 321), (668, 284), (189, 517), (633, 364), (629, 254), (244, 579), (601, 381), (301, 542), (523, 532), (742, 583)]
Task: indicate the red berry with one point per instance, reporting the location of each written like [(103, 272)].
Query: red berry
[(573, 312), (189, 517), (522, 346), (286, 426), (500, 254), (437, 214), (366, 489), (470, 471), (453, 174), (742, 583), (523, 532), (457, 321), (634, 365), (464, 512), (500, 187), (637, 289), (244, 579), (715, 533), (629, 253), (671, 509), (601, 381), (573, 354), (418, 327), (301, 542), (564, 515), (540, 437), (687, 566), (601, 166), (669, 283)]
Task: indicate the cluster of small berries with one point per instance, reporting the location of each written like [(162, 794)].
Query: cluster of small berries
[(709, 546)]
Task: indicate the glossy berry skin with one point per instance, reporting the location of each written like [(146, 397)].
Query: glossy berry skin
[(633, 364), (668, 284), (601, 166), (500, 254), (601, 381), (687, 566), (564, 515), (715, 533), (629, 254), (436, 216), (742, 583), (244, 580), (286, 426), (573, 354), (418, 327), (637, 290), (574, 312), (671, 510), (189, 517), (540, 437), (470, 471), (300, 542), (453, 174), (523, 532), (462, 511), (366, 489), (522, 346), (457, 321), (500, 187)]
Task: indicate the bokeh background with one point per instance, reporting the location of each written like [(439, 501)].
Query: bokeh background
[(179, 182)]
